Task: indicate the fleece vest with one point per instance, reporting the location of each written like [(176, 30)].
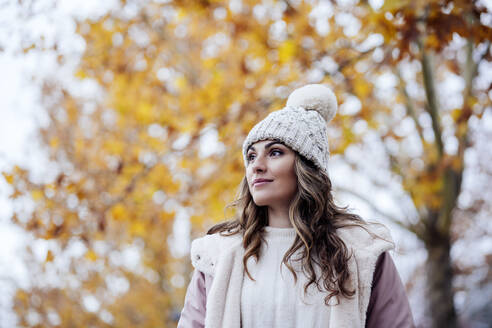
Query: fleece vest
[(222, 257)]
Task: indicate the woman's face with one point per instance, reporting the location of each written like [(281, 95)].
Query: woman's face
[(270, 173)]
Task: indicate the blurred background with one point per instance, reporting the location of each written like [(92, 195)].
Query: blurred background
[(122, 123)]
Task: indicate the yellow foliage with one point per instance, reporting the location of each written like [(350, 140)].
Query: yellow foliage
[(187, 125), (196, 220), (181, 14), (167, 217), (138, 228), (186, 163), (8, 177), (393, 5), (37, 195), (210, 63), (181, 83), (144, 113), (81, 74), (114, 146), (79, 146), (91, 255), (432, 41), (287, 51), (455, 114), (118, 212), (362, 88), (54, 142), (49, 257)]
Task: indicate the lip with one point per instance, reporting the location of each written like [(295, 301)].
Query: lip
[(260, 182)]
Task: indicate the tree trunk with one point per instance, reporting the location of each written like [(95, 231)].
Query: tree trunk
[(440, 282)]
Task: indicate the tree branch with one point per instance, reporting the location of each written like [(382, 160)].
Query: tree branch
[(407, 226), (409, 105), (432, 106), (454, 175)]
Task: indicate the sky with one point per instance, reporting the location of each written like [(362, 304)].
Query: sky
[(21, 113)]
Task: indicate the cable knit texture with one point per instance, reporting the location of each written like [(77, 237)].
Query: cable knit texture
[(222, 257), (301, 125)]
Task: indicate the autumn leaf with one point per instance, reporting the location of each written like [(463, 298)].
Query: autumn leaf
[(91, 255), (49, 257)]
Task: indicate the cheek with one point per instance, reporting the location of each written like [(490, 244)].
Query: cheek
[(248, 176), (289, 179), (291, 183)]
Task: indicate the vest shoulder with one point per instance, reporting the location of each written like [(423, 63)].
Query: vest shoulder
[(206, 250), (373, 238)]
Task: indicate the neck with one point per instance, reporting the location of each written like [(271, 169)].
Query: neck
[(278, 217)]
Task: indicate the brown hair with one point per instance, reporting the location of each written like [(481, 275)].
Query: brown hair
[(315, 218)]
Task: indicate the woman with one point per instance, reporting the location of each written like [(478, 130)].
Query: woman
[(291, 257)]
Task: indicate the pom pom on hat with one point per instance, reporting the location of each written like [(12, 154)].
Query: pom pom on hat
[(315, 97)]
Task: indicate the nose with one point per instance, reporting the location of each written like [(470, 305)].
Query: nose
[(259, 164)]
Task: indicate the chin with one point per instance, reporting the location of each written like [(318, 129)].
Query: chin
[(261, 201)]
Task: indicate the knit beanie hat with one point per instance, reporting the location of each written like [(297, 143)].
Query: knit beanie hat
[(300, 125)]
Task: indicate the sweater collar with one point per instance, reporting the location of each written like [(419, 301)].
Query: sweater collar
[(279, 233)]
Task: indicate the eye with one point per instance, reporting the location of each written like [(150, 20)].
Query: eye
[(273, 152), (276, 151), (250, 157)]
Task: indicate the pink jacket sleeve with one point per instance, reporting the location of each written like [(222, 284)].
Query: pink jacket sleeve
[(388, 305), (193, 313)]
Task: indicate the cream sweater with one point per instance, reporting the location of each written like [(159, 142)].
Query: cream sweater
[(222, 256), (275, 300)]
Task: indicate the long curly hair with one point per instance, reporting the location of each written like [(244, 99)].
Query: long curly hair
[(315, 218)]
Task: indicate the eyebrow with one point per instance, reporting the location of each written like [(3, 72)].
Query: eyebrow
[(266, 146)]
